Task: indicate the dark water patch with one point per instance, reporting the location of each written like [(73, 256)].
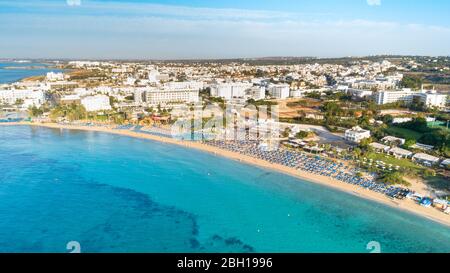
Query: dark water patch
[(226, 245)]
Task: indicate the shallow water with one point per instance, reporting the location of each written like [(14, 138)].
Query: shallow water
[(20, 71), (119, 194)]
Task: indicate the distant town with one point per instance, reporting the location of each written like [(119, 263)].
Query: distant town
[(386, 117)]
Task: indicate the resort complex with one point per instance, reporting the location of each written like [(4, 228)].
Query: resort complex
[(387, 139), (222, 135)]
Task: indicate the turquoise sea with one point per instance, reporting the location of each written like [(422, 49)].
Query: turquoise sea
[(119, 194), (21, 71)]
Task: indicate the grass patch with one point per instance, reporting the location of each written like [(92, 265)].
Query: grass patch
[(403, 133), (403, 163), (438, 125)]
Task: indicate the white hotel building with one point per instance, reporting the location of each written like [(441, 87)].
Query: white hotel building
[(51, 76), (279, 91), (431, 98), (171, 96), (31, 97), (356, 134), (96, 103), (184, 85), (229, 91), (385, 97), (428, 98)]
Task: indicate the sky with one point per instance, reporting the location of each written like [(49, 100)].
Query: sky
[(207, 29)]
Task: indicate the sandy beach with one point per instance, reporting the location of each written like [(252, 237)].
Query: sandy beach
[(407, 205)]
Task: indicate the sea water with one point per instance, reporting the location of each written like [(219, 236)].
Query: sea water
[(113, 193), (13, 71)]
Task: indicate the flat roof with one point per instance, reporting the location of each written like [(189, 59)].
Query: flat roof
[(379, 146), (392, 138), (400, 151), (426, 157)]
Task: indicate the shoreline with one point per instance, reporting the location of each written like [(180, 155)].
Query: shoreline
[(405, 205)]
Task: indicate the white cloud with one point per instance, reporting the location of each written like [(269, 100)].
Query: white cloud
[(144, 30), (374, 2), (74, 3)]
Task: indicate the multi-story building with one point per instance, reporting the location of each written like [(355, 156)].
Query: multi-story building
[(12, 96), (184, 85), (356, 134), (70, 99), (432, 99), (171, 96), (279, 91), (139, 96), (96, 103), (385, 97), (379, 84), (428, 98), (256, 93), (230, 90), (52, 76)]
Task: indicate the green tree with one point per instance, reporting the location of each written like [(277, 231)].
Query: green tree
[(286, 132), (409, 143), (34, 111), (394, 178), (388, 119), (302, 135), (412, 82)]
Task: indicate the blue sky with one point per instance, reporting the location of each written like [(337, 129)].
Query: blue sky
[(171, 29)]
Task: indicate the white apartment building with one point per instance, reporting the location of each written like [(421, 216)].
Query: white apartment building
[(428, 98), (51, 76), (33, 97), (96, 103), (380, 84), (155, 77), (385, 97), (356, 134), (167, 96), (256, 93), (279, 91), (184, 85), (139, 96), (230, 90), (432, 99)]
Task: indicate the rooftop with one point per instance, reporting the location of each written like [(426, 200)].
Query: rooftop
[(426, 157), (400, 151), (379, 146)]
